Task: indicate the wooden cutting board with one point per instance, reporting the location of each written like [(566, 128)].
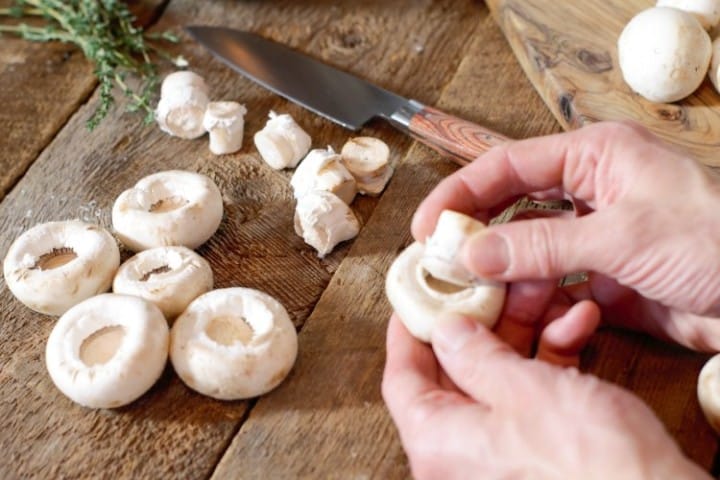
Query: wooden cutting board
[(568, 50)]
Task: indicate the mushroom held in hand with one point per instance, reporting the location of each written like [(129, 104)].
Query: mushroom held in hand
[(56, 265), (706, 11), (708, 391), (664, 54), (108, 350), (225, 122), (168, 208), (183, 100), (324, 220), (282, 143), (233, 343), (169, 277), (322, 170), (421, 299), (367, 160)]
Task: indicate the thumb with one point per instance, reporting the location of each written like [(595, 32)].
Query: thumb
[(542, 248)]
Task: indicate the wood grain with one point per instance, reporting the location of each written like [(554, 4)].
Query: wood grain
[(172, 432), (568, 50), (461, 141)]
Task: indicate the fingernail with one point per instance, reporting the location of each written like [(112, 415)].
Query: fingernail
[(486, 254), (451, 333)]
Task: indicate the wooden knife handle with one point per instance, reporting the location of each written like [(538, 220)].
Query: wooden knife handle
[(459, 139)]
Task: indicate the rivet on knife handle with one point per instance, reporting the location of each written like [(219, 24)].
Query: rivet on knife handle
[(459, 139)]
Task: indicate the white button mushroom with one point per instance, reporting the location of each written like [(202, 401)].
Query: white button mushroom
[(706, 11), (55, 265), (664, 54), (322, 170), (168, 208), (169, 277), (233, 343), (443, 247), (282, 143), (708, 391), (225, 122), (714, 72), (324, 220), (421, 300), (367, 160), (183, 100), (108, 350)]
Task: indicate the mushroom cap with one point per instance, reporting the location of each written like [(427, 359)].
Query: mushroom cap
[(211, 354), (443, 247), (169, 277), (53, 289), (182, 80), (708, 391), (126, 359), (324, 220), (706, 11), (421, 301), (168, 208), (714, 72), (282, 143), (666, 67), (322, 170)]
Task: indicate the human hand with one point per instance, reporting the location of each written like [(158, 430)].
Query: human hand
[(651, 240), (479, 410)]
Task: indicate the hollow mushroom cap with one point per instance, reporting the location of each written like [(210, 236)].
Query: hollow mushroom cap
[(108, 350), (168, 208), (367, 159), (282, 143), (443, 247), (706, 11), (322, 170), (233, 343), (169, 277), (420, 300), (664, 67), (225, 122), (55, 265), (324, 220), (708, 391)]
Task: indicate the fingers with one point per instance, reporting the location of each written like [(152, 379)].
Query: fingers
[(567, 161), (567, 333), (524, 306)]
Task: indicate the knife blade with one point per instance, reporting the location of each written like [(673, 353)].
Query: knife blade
[(339, 96)]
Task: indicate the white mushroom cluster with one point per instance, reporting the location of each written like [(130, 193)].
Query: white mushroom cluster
[(422, 297), (108, 349), (185, 111), (665, 52)]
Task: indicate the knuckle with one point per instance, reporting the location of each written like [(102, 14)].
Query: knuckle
[(542, 248)]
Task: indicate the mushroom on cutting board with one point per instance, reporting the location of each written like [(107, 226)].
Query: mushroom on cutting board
[(664, 54), (168, 208), (55, 265), (108, 350), (323, 220), (367, 160), (169, 277), (225, 122), (282, 143), (706, 11), (421, 299), (181, 109), (322, 170), (233, 343)]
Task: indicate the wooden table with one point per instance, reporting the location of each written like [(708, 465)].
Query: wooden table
[(327, 420)]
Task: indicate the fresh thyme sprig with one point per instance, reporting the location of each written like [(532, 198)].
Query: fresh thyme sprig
[(105, 31)]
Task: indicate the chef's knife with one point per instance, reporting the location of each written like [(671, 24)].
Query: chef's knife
[(339, 96)]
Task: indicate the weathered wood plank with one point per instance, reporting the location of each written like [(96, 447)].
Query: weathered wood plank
[(328, 420), (172, 432), (42, 86)]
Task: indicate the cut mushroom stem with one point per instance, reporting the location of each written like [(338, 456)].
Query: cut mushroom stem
[(282, 143), (225, 122), (183, 101), (108, 350), (324, 220), (233, 343), (422, 300), (367, 159), (442, 248), (322, 170)]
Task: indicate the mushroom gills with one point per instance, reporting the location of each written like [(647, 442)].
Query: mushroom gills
[(102, 345)]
